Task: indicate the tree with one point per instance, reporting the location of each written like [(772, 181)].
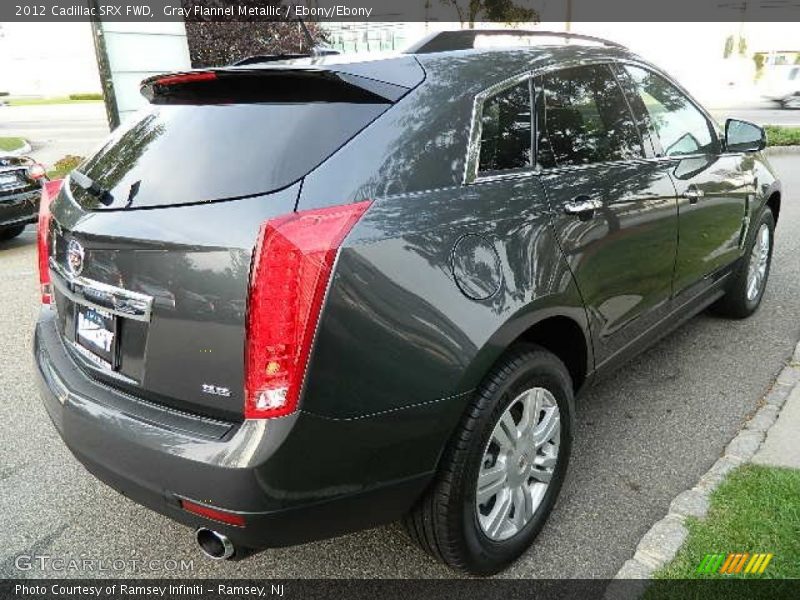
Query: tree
[(221, 42), (759, 59), (728, 47), (500, 11)]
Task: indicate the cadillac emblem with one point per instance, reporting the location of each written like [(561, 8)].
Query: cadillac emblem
[(74, 258)]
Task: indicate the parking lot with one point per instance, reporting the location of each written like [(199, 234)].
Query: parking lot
[(644, 435)]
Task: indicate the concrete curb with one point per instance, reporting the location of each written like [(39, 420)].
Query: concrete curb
[(782, 150), (25, 149), (660, 545)]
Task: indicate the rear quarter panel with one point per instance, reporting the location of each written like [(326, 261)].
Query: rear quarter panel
[(398, 331)]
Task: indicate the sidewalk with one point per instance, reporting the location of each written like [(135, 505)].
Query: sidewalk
[(782, 446), (771, 438)]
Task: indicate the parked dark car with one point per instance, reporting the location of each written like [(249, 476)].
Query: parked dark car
[(20, 191), (297, 299)]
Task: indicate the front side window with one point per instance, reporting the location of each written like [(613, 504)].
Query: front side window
[(506, 130), (681, 127), (586, 117)]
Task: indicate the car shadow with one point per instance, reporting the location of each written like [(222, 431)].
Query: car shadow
[(26, 238)]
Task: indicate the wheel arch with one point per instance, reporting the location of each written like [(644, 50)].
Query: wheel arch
[(565, 338), (563, 330), (774, 204)]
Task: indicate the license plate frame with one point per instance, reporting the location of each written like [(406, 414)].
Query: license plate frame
[(97, 335)]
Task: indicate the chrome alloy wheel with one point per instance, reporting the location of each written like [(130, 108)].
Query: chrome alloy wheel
[(792, 102), (757, 267), (518, 463)]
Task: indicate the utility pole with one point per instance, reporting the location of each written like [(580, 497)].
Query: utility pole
[(104, 69), (568, 17)]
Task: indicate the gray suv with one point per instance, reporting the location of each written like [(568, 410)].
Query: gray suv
[(298, 298)]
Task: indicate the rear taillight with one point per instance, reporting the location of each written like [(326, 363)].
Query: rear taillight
[(181, 78), (171, 84), (36, 172), (49, 191), (292, 265)]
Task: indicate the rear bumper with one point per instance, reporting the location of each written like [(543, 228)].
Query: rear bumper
[(19, 209), (294, 479)]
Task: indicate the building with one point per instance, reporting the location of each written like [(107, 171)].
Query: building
[(47, 59)]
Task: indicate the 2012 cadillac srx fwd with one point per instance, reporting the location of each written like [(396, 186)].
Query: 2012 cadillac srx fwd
[(298, 298)]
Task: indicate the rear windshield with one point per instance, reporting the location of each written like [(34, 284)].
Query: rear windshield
[(178, 154)]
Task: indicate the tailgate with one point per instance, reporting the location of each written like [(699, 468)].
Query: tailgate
[(152, 239), (170, 290)]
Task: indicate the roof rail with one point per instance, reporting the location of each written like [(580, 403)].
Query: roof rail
[(464, 39), (262, 58)]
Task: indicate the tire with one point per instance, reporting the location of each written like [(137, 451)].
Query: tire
[(791, 102), (11, 232), (739, 301), (448, 522)]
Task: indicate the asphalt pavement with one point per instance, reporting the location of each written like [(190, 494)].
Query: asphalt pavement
[(645, 434), (762, 113), (55, 130)]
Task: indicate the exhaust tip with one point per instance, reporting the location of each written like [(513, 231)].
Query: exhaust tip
[(214, 544)]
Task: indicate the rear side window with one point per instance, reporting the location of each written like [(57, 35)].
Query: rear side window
[(177, 154), (681, 128), (506, 130), (587, 118)]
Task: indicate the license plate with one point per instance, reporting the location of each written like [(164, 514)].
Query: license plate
[(96, 333), (8, 180)]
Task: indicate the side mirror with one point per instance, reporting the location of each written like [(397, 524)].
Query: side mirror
[(743, 136)]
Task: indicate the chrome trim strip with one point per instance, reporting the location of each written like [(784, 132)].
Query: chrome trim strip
[(504, 176), (121, 302)]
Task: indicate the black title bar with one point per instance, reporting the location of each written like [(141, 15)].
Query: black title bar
[(463, 11)]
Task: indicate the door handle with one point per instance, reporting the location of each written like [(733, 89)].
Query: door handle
[(583, 206), (693, 195)]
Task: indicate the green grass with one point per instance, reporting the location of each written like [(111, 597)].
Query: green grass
[(64, 165), (41, 101), (86, 96), (57, 173), (8, 144), (756, 509), (782, 136)]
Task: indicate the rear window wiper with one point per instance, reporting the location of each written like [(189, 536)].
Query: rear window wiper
[(91, 186)]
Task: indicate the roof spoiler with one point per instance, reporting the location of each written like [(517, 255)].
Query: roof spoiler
[(266, 58), (242, 86), (444, 41)]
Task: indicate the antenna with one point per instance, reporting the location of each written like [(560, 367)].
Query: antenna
[(444, 41), (314, 47)]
